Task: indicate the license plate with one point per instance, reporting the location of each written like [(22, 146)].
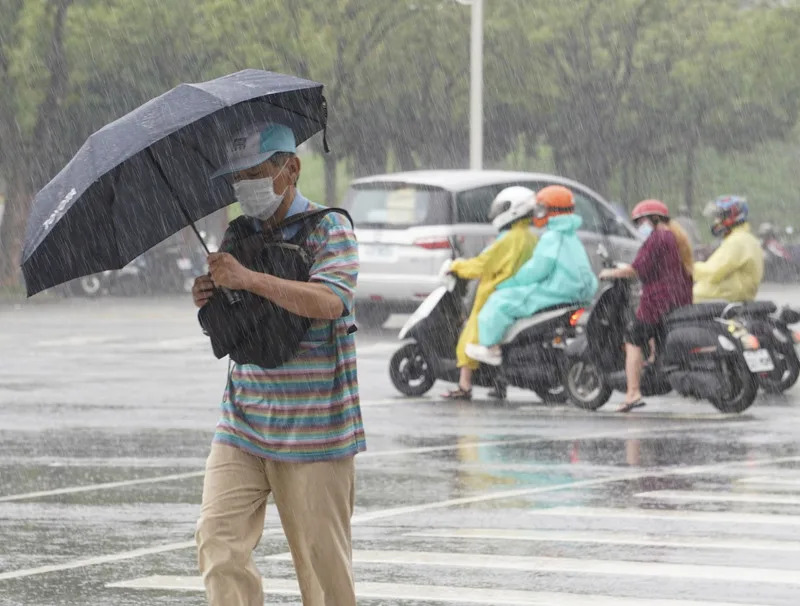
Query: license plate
[(379, 252), (759, 360)]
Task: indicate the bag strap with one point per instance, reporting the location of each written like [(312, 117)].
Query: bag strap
[(310, 220)]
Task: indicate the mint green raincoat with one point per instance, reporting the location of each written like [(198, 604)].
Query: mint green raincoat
[(559, 272)]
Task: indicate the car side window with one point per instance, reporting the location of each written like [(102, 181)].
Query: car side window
[(612, 224), (472, 206), (588, 211)]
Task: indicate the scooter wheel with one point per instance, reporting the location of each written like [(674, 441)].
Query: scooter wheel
[(409, 371), (585, 385), (786, 373), (742, 390)]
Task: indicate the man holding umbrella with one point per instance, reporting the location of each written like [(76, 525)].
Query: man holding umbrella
[(291, 431)]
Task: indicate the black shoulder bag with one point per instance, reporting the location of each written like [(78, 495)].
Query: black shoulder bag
[(253, 330)]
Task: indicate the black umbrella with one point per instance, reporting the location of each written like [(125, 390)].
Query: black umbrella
[(144, 177)]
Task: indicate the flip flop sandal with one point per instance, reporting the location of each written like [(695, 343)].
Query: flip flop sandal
[(632, 405), (458, 394)]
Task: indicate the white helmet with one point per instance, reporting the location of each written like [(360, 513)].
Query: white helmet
[(512, 204)]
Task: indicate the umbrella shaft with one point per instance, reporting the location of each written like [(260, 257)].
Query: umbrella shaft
[(171, 189)]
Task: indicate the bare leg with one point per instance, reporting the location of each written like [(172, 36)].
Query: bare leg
[(634, 360), (465, 378)]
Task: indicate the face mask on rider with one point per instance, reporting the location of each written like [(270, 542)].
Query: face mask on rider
[(257, 197), (645, 228)]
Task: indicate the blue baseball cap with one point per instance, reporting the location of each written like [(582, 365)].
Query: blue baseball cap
[(257, 144)]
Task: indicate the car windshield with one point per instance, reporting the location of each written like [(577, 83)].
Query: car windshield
[(397, 205)]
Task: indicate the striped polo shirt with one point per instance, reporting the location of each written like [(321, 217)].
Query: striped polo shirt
[(308, 409)]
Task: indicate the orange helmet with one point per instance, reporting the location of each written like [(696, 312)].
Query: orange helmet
[(552, 200)]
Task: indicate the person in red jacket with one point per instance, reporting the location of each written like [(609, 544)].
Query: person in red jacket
[(664, 266)]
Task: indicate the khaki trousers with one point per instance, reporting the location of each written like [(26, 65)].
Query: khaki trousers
[(315, 504)]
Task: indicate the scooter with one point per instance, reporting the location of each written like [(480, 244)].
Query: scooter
[(770, 326), (779, 265), (702, 355), (532, 349)]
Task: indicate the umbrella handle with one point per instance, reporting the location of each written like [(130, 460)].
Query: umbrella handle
[(230, 296)]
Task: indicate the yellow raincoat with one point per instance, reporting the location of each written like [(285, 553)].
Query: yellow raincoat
[(499, 261), (734, 271)]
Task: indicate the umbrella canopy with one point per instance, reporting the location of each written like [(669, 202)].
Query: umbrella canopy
[(145, 176)]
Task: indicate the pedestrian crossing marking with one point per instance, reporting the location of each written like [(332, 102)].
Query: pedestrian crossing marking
[(720, 497), (732, 574), (705, 517), (608, 538), (428, 593), (772, 481)]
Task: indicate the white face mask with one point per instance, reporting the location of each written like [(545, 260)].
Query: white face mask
[(257, 197), (645, 229)]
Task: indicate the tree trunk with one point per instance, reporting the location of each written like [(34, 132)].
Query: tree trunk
[(12, 230), (330, 179), (625, 193), (25, 174), (688, 184), (404, 157)]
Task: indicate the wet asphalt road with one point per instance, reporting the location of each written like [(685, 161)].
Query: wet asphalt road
[(107, 409)]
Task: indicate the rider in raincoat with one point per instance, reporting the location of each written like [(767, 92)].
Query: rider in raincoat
[(511, 213), (734, 271), (559, 272)]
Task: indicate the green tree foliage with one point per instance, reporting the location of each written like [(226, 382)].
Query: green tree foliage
[(624, 95)]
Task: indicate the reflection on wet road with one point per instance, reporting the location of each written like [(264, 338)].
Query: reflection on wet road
[(107, 413)]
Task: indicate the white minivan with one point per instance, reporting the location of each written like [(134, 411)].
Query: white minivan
[(407, 224)]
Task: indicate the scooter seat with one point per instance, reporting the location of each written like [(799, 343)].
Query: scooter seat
[(542, 317), (698, 311), (759, 308)]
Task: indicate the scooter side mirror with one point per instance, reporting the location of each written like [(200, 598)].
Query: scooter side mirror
[(604, 255), (787, 315)]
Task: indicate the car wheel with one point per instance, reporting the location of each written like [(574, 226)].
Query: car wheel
[(88, 286), (409, 371)]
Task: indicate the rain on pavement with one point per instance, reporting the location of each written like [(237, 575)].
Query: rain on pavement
[(108, 411)]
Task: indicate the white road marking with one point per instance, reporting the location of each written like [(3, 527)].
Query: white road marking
[(522, 492), (608, 538), (704, 517), (688, 496), (178, 343), (699, 572), (397, 511), (110, 558), (104, 486), (76, 341), (366, 455), (427, 593), (771, 481), (166, 344), (115, 557), (377, 348)]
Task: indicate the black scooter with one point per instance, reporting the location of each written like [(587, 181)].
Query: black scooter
[(702, 355), (770, 326), (532, 349)]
